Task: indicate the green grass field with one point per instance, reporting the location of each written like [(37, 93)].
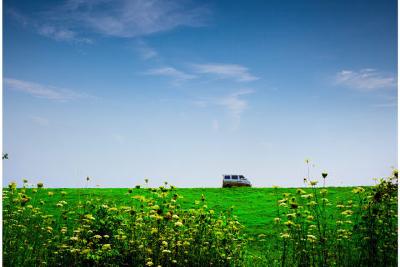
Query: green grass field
[(255, 207)]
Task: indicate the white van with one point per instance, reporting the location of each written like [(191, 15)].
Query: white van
[(230, 180)]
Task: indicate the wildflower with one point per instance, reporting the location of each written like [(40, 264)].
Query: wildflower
[(291, 216), (149, 263), (323, 192), (12, 185), (50, 194), (310, 218), (89, 216), (25, 181), (175, 216), (164, 243), (347, 212), (312, 203), (311, 238), (309, 196), (74, 238), (358, 190), (313, 183), (285, 235), (97, 237), (289, 223), (166, 251), (40, 185), (63, 193), (179, 224), (325, 200), (277, 220), (153, 230), (106, 247), (300, 191), (324, 175)]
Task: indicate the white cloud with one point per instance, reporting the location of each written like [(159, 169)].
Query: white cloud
[(365, 80), (116, 18), (42, 91), (226, 71), (60, 34), (39, 120), (235, 104), (215, 125), (145, 51), (171, 72)]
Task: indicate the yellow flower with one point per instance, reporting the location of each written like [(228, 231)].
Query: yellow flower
[(106, 247), (313, 183), (312, 203), (358, 190), (289, 223), (97, 237), (89, 216), (149, 263), (277, 220), (347, 212), (311, 238), (165, 243), (50, 193), (166, 251), (291, 216), (308, 196), (179, 224), (285, 235)]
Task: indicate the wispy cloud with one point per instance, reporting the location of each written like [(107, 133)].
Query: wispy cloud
[(39, 120), (49, 29), (116, 18), (145, 51), (177, 75), (234, 104), (42, 91), (365, 80), (132, 18), (215, 125), (226, 71), (61, 34)]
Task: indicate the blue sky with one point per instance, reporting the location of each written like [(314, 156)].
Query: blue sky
[(185, 91)]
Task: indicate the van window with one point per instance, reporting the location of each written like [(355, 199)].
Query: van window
[(227, 177), (242, 177), (234, 177)]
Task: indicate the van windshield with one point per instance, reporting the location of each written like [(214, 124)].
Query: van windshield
[(234, 177)]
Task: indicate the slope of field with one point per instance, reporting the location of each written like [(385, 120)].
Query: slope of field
[(255, 207)]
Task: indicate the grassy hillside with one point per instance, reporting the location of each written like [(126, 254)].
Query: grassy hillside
[(255, 207)]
